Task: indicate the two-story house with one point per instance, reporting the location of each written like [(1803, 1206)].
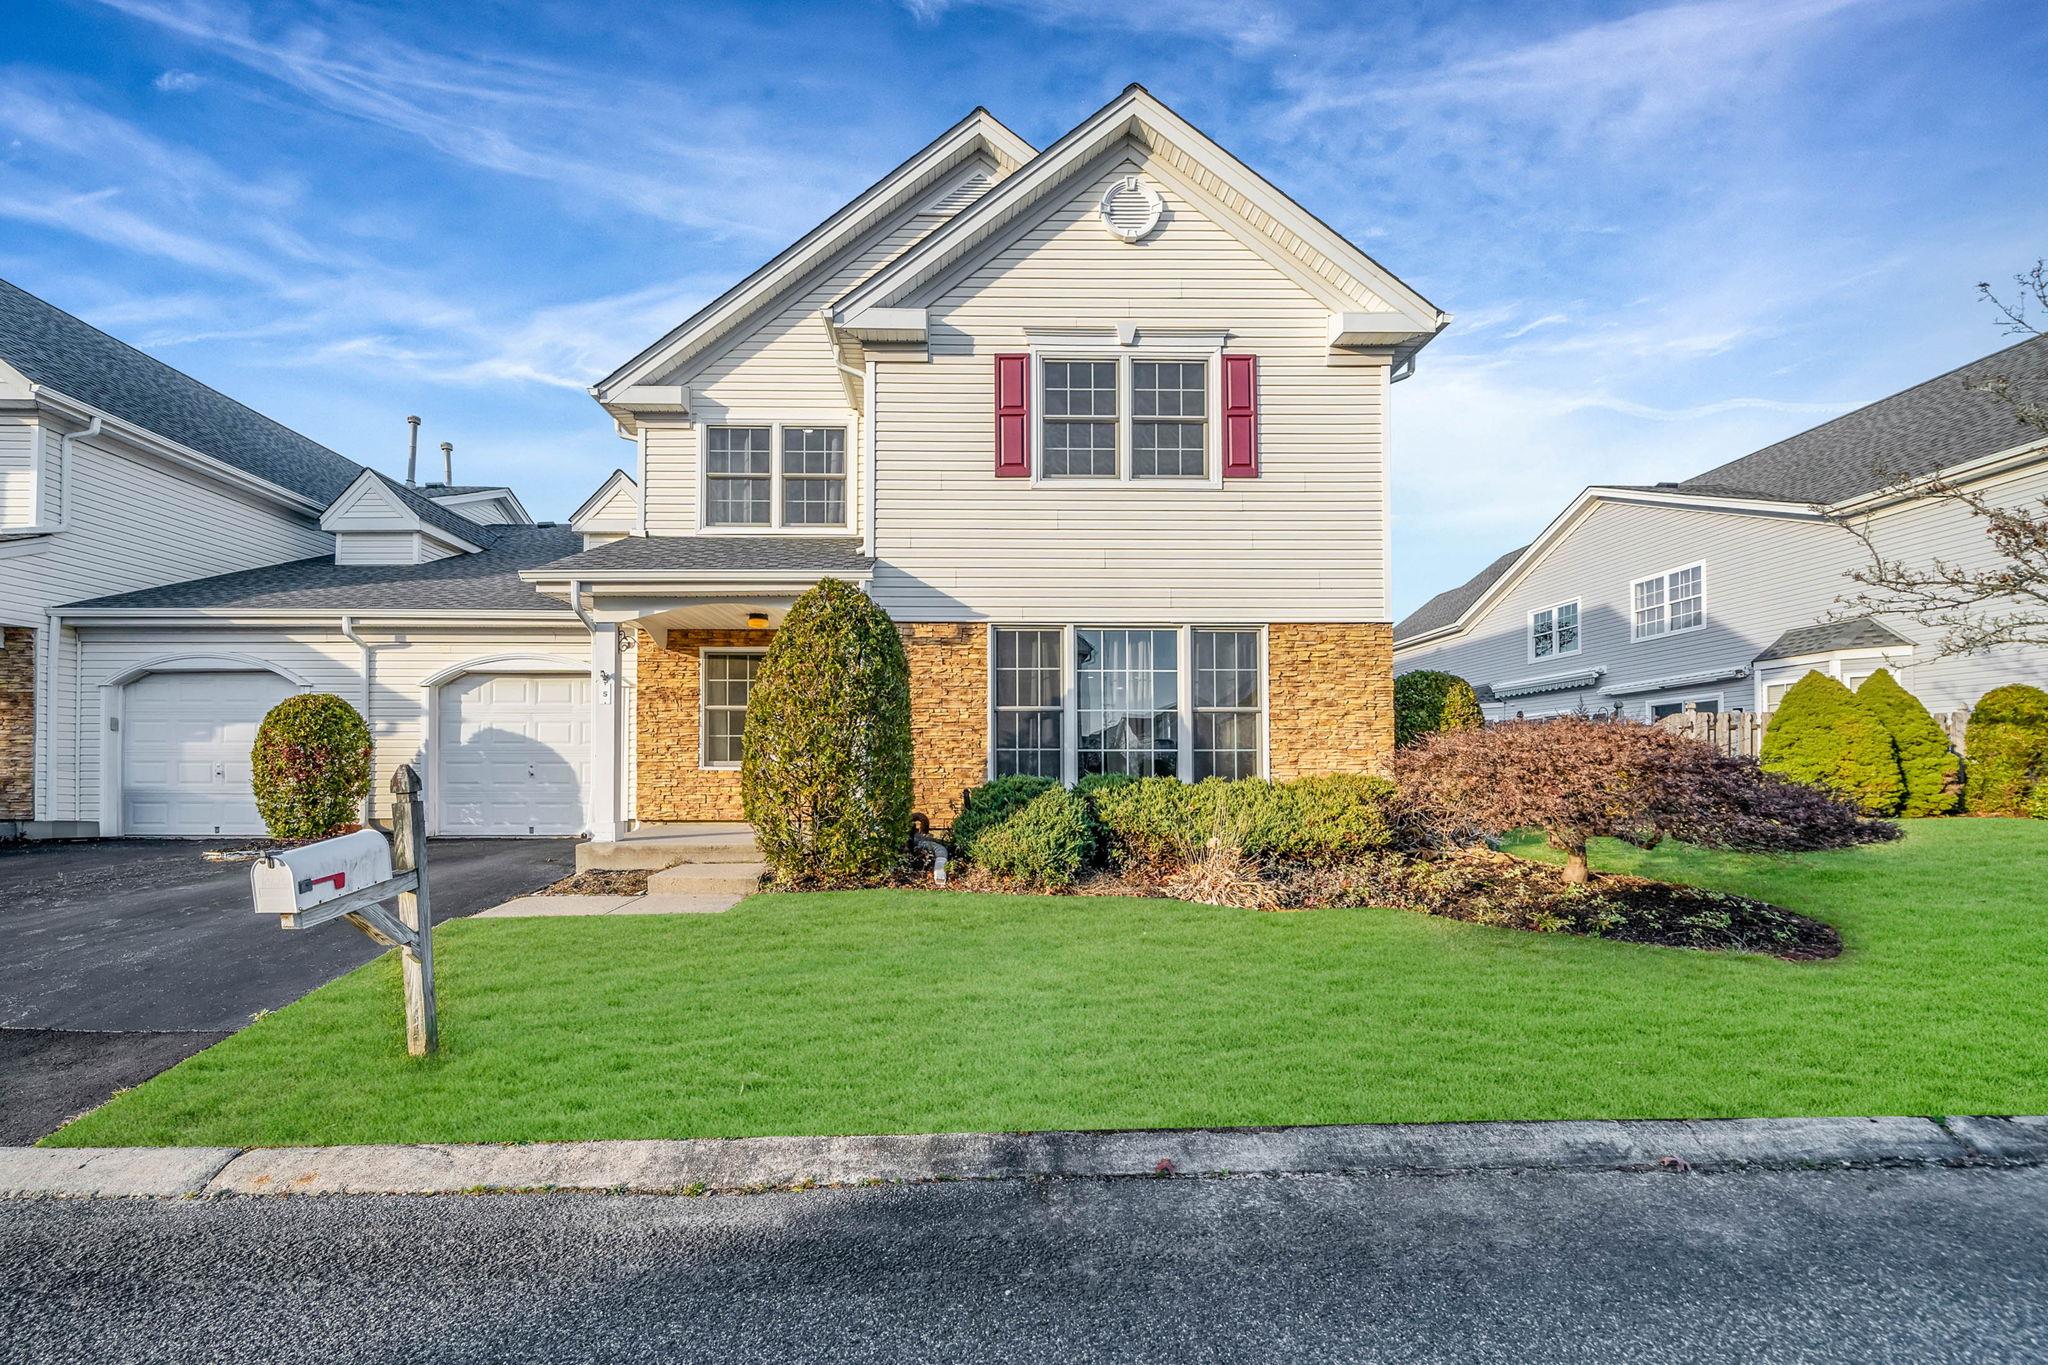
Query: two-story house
[(1102, 427), (1721, 591)]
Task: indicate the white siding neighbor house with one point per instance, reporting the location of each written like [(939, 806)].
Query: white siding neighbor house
[(1722, 590), (172, 564)]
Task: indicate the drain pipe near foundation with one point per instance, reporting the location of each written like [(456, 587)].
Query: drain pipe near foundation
[(348, 630)]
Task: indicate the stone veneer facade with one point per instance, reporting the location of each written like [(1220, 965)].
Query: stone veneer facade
[(1330, 708), (17, 723)]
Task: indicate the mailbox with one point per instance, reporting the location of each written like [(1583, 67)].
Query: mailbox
[(295, 880)]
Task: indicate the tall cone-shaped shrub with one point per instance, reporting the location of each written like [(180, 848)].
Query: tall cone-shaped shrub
[(1930, 769), (1823, 737), (825, 769), (2007, 743), (1427, 701)]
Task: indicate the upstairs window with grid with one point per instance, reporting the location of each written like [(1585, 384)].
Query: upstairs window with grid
[(1668, 603), (1080, 419), (739, 469), (1554, 631), (1169, 419), (814, 476)]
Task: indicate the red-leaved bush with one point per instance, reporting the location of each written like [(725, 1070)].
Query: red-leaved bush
[(1576, 778)]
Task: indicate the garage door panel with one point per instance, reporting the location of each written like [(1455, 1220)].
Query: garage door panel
[(185, 751), (513, 753)]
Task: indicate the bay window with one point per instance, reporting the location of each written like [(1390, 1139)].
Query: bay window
[(775, 476), (1149, 701)]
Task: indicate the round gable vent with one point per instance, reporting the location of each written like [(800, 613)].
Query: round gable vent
[(1130, 208)]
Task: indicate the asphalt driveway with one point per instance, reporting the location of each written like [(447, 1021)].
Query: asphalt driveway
[(121, 957)]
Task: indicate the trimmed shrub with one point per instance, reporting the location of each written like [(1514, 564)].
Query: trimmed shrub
[(1337, 815), (1153, 822), (1822, 737), (1427, 701), (2007, 742), (1045, 844), (311, 766), (2037, 804), (1930, 769), (986, 807), (825, 771), (1157, 822)]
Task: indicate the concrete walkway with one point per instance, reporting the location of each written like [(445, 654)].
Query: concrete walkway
[(536, 907), (765, 1163)]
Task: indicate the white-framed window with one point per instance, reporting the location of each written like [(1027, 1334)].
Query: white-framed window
[(1147, 701), (1668, 603), (725, 682), (775, 476), (1554, 631), (1706, 706), (1138, 416)]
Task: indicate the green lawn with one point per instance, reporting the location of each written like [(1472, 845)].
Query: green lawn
[(880, 1012)]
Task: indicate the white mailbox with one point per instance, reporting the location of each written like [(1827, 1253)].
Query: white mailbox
[(295, 880)]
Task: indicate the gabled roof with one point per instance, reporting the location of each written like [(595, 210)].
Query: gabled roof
[(486, 581), (1863, 632), (1932, 426), (594, 505), (980, 133), (418, 513), (51, 348), (457, 496), (1939, 425), (1354, 280)]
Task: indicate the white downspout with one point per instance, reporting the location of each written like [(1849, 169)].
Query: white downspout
[(46, 713), (64, 444), (348, 630)]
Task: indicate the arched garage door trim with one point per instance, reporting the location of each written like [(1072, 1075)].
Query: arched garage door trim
[(113, 717), (431, 687)]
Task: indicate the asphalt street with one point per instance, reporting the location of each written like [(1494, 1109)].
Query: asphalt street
[(120, 957), (1922, 1265)]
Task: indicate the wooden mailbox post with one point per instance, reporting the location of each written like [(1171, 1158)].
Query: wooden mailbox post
[(311, 885)]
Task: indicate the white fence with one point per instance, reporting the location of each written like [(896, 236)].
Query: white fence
[(1742, 732)]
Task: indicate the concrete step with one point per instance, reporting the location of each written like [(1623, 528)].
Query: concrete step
[(702, 879), (658, 846)]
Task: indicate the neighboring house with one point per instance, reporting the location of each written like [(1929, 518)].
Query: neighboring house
[(1719, 592), (173, 563), (1102, 428)]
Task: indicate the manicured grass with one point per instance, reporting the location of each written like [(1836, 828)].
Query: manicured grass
[(918, 1012)]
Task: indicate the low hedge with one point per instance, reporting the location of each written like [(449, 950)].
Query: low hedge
[(2007, 744), (1159, 822), (1045, 843)]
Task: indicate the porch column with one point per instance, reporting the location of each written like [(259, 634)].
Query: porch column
[(606, 733)]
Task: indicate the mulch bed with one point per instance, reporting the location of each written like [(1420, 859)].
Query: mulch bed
[(601, 881)]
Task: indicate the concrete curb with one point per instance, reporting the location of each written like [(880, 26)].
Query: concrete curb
[(745, 1164)]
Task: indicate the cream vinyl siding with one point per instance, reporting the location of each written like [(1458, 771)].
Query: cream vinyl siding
[(1305, 541), (1763, 576), (17, 474), (387, 547), (401, 660)]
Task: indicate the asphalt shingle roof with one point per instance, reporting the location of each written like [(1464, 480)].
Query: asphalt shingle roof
[(1861, 633), (1448, 605), (1928, 427), (486, 581), (716, 554)]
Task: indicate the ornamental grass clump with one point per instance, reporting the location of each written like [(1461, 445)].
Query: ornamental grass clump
[(310, 767), (1929, 768), (825, 768), (1576, 779), (1822, 737), (2007, 743), (1427, 701)]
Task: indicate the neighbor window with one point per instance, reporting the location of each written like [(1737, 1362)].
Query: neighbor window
[(1668, 603), (1143, 702), (1554, 631), (1080, 419), (775, 476), (728, 681), (1226, 703), (1169, 419), (1029, 703), (1706, 706), (738, 465)]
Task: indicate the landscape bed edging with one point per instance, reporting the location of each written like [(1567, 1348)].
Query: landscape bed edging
[(716, 1165)]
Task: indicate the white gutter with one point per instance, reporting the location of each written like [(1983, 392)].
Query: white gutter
[(165, 448), (348, 630), (576, 605), (64, 443)]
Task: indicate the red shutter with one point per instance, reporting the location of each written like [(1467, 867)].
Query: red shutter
[(1013, 416), (1240, 417)]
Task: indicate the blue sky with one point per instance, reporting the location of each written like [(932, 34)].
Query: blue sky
[(1670, 233)]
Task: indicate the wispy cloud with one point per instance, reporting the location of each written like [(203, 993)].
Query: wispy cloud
[(175, 82)]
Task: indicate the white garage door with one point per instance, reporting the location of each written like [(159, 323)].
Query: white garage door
[(514, 753), (185, 740)]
